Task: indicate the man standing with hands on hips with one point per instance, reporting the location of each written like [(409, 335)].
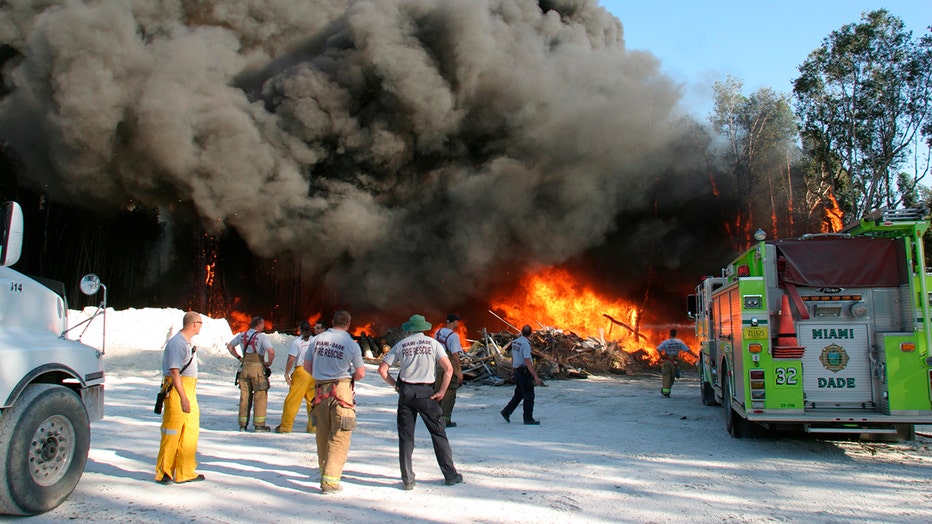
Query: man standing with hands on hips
[(335, 361), (418, 356), (253, 380)]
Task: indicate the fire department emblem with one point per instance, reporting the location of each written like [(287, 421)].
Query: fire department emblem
[(834, 358)]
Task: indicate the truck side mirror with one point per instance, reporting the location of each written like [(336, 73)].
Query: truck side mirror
[(90, 284), (692, 306), (11, 233)]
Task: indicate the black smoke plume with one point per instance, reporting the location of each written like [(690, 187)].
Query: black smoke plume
[(404, 154)]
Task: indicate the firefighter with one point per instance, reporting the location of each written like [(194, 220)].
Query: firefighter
[(334, 359), (300, 383), (181, 424), (525, 378), (418, 357), (451, 343), (669, 351), (253, 378)]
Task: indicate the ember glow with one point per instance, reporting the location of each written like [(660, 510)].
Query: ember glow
[(554, 297)]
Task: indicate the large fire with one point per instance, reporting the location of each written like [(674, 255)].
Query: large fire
[(550, 298), (555, 298)]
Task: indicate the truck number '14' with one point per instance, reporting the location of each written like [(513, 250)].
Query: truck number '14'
[(786, 376)]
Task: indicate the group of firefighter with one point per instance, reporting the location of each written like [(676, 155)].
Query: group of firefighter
[(322, 368)]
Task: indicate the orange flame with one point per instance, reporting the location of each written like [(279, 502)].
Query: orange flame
[(460, 330), (833, 216), (553, 297), (368, 329), (238, 321), (209, 279)]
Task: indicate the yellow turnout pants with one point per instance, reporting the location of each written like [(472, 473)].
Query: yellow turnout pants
[(302, 388), (180, 431)]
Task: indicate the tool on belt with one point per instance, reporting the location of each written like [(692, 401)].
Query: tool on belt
[(167, 386)]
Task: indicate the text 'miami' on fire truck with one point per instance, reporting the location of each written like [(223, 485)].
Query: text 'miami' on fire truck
[(828, 333)]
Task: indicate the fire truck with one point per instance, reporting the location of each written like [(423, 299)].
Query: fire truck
[(51, 387), (827, 333)]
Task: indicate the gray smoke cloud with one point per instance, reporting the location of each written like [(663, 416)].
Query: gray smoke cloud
[(406, 151)]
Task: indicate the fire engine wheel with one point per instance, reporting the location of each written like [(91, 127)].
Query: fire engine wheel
[(737, 427), (44, 439), (904, 433), (706, 393)]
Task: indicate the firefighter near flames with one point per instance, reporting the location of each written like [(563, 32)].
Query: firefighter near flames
[(826, 333)]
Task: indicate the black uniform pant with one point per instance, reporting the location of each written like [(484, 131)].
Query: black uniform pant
[(524, 391), (414, 399)]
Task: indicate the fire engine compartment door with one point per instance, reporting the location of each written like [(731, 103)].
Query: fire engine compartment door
[(836, 365)]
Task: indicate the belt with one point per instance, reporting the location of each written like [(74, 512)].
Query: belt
[(416, 383), (332, 381)]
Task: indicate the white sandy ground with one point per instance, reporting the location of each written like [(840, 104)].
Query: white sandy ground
[(610, 449)]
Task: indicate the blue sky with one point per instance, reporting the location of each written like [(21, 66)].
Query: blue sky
[(760, 42)]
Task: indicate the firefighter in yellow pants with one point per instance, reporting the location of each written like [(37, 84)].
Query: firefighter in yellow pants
[(180, 431), (300, 382), (181, 417), (302, 389)]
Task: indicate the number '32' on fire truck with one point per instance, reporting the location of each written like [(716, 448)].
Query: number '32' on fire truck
[(827, 333)]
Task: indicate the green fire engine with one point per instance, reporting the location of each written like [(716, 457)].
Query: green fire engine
[(827, 333)]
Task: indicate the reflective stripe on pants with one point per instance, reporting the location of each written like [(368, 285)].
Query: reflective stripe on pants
[(180, 431)]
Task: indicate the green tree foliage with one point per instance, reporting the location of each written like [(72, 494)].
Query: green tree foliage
[(863, 102), (760, 132)]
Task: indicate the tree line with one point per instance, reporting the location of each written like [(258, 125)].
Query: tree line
[(854, 136)]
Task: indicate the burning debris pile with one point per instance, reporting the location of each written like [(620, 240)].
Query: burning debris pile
[(557, 354)]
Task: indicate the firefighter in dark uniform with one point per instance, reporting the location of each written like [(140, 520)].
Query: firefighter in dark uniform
[(418, 356), (525, 378)]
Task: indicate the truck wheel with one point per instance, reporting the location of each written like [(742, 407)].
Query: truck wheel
[(737, 427), (905, 432), (44, 439), (706, 393)]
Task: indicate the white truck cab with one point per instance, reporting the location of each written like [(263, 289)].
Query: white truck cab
[(51, 387)]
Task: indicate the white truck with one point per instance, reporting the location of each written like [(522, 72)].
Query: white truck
[(51, 387)]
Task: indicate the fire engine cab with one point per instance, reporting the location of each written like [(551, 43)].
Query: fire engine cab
[(828, 333)]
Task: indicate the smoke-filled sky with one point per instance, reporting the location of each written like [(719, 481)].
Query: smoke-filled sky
[(405, 150)]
